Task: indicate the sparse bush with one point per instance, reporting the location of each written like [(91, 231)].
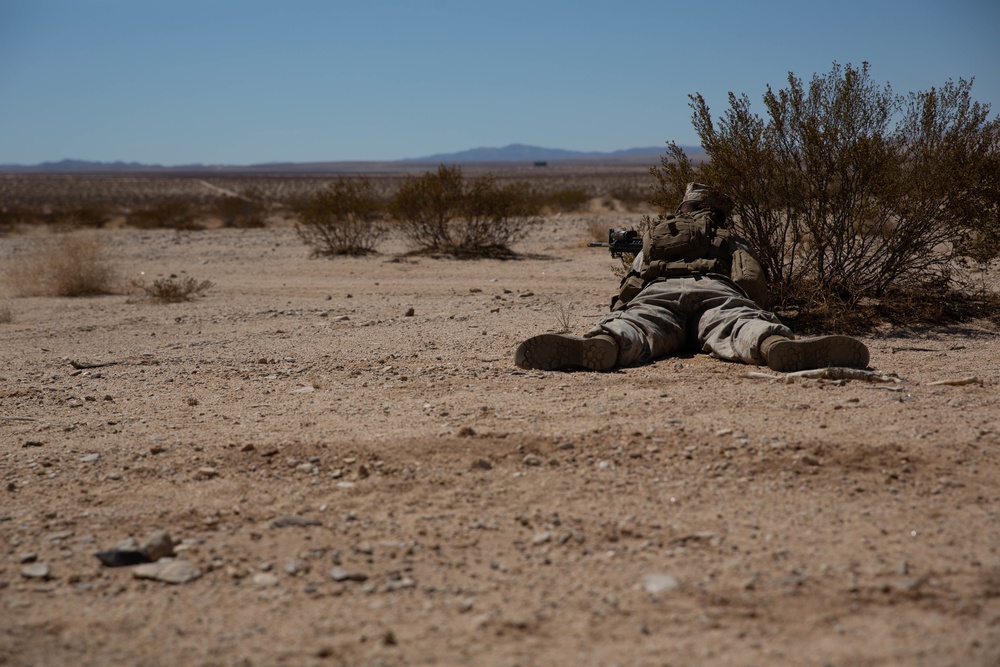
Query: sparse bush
[(6, 314), (443, 212), (91, 216), (565, 200), (169, 213), (346, 218), (70, 265), (848, 191), (172, 289), (12, 215), (633, 199), (247, 210)]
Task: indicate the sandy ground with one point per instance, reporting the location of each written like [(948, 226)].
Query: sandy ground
[(350, 482)]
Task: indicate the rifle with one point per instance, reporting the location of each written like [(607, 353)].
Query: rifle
[(621, 242)]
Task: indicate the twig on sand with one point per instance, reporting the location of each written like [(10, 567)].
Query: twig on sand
[(907, 348), (831, 373), (972, 379), (86, 364), (18, 419)]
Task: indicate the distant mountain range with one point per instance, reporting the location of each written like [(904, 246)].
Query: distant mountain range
[(521, 152), (511, 153)]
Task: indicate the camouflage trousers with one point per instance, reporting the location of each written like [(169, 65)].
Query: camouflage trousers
[(707, 313)]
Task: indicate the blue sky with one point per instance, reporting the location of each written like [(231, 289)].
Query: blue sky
[(246, 81)]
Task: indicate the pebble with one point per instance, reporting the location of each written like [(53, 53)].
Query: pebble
[(400, 584), (168, 571), (285, 521), (158, 545), (340, 574), (90, 458), (35, 571), (294, 566), (265, 580), (657, 583)]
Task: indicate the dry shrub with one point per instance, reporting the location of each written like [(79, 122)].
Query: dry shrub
[(345, 218), (70, 265), (168, 213), (172, 289), (565, 200), (6, 314), (246, 210), (443, 212), (849, 192)]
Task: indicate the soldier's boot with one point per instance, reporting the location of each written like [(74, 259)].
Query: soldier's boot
[(563, 352), (787, 355)]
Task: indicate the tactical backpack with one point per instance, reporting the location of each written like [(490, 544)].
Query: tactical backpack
[(692, 244)]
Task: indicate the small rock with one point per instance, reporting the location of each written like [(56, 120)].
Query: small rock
[(265, 580), (35, 571), (482, 464), (121, 557), (409, 312), (399, 584), (206, 472), (660, 583), (158, 545), (286, 521), (531, 460), (340, 574), (294, 566), (810, 460), (168, 570), (90, 458)]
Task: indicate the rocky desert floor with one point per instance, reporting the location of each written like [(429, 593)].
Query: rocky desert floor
[(352, 471)]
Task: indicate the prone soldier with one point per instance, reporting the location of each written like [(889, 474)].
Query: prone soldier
[(694, 284)]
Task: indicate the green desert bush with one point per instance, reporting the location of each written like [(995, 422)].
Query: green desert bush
[(345, 218), (444, 212), (67, 265), (849, 192)]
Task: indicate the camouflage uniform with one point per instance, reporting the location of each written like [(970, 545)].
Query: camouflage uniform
[(697, 286)]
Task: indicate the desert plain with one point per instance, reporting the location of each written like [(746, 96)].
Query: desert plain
[(352, 471)]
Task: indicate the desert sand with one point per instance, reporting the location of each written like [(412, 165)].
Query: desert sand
[(353, 472)]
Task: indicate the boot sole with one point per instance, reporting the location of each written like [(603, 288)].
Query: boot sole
[(560, 352), (822, 352)]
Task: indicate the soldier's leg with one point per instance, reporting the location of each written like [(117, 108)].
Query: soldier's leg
[(734, 328), (730, 326), (652, 326)]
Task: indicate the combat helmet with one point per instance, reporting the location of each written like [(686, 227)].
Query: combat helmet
[(706, 197)]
